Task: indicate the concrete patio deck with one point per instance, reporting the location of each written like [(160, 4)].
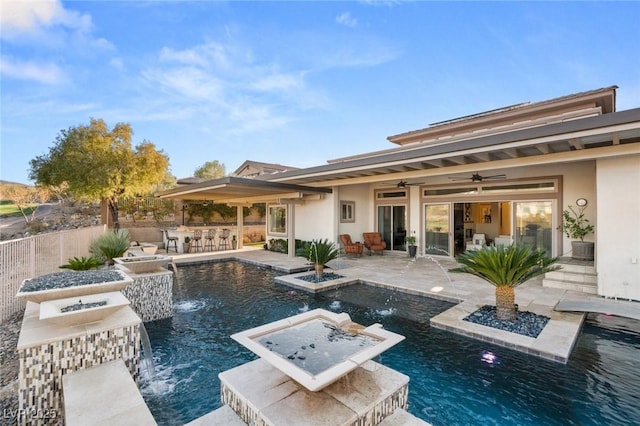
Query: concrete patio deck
[(429, 276)]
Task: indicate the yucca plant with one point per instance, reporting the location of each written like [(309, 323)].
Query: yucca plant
[(505, 268), (319, 252), (110, 245), (83, 263)]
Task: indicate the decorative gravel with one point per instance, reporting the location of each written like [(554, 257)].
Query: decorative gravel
[(71, 279), (526, 323), (79, 306), (328, 276)]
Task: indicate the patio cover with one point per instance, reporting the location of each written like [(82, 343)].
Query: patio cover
[(244, 191), (236, 190)]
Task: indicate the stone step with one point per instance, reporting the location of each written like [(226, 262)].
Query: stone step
[(588, 288), (576, 268), (572, 277)]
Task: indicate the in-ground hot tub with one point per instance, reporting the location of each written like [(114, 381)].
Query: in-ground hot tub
[(318, 347)]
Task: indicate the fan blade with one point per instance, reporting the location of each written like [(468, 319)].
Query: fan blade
[(494, 177)]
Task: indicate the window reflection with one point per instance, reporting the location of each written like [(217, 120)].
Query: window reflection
[(533, 224)]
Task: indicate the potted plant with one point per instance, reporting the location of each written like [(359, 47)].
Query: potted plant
[(186, 246), (576, 226), (319, 252), (411, 244)]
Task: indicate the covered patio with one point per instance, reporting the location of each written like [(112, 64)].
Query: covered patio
[(243, 192)]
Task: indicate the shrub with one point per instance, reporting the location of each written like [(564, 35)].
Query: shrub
[(110, 245), (83, 263), (319, 252), (278, 245)]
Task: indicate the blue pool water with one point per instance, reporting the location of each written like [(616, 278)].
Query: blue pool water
[(453, 380)]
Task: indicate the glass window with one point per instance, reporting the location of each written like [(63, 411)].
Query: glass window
[(449, 191), (527, 187), (278, 219), (347, 211), (392, 194)]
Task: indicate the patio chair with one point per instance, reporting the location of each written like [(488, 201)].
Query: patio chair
[(209, 244), (196, 240), (171, 240), (373, 242), (477, 242), (351, 247)]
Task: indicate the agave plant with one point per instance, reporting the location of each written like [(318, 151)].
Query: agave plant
[(319, 252), (110, 245), (505, 267), (83, 263)]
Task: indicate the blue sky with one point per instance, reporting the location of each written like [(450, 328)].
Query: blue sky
[(295, 83)]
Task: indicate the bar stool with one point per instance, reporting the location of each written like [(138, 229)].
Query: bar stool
[(197, 240), (171, 240), (224, 239), (209, 244)]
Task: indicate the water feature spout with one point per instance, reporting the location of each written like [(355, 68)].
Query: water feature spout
[(146, 361)]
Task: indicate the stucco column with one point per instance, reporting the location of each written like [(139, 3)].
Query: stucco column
[(291, 227), (240, 227)]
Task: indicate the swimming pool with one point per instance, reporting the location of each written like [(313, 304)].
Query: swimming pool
[(454, 380)]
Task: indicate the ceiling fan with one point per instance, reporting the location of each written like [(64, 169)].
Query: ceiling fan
[(476, 177), (404, 184)]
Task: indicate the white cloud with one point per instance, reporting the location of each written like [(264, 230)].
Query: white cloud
[(29, 16), (274, 82), (117, 63), (46, 73), (347, 20), (188, 83)]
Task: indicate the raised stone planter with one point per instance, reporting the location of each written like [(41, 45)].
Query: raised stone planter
[(61, 285), (142, 264), (318, 347), (75, 311)]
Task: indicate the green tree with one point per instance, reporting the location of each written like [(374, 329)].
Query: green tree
[(505, 268), (96, 163), (210, 170)]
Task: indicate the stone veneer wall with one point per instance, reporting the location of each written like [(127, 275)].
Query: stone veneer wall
[(42, 367), (151, 295)]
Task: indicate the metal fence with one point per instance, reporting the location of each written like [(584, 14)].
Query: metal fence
[(38, 255)]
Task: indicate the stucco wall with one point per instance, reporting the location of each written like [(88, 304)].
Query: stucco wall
[(360, 194), (315, 219), (618, 227)]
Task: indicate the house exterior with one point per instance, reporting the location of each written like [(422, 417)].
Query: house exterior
[(506, 173)]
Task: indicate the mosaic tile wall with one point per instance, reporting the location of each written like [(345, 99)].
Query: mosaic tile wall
[(42, 367), (151, 295)]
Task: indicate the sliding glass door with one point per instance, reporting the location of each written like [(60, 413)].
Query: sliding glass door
[(392, 225), (437, 229), (534, 224)]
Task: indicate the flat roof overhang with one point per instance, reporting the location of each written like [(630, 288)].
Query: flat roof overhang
[(610, 134), (237, 190)]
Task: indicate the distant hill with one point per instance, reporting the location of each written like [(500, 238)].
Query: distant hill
[(8, 182)]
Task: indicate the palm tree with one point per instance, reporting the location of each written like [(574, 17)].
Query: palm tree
[(505, 268)]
